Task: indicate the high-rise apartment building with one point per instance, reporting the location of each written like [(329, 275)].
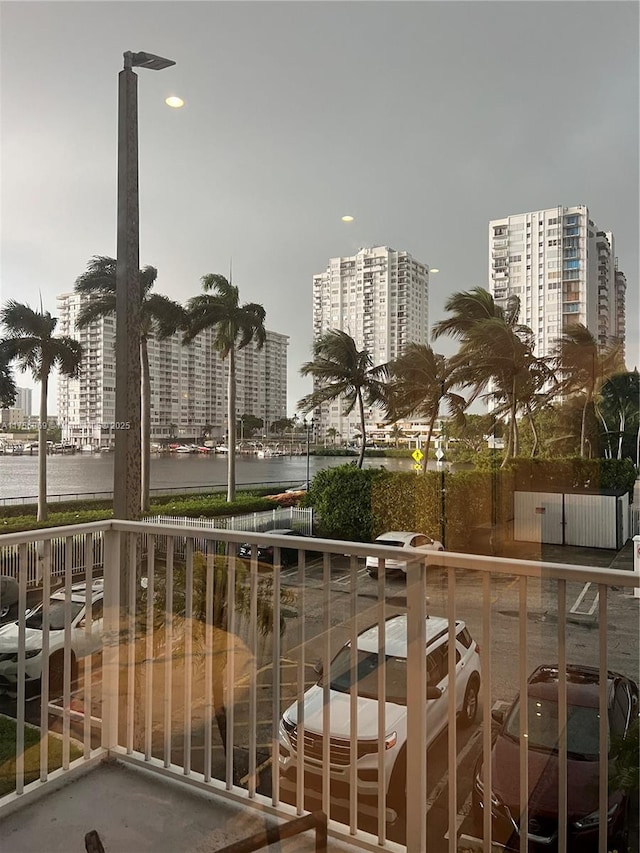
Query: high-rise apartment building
[(24, 401), (188, 383), (564, 270), (380, 297), (18, 415)]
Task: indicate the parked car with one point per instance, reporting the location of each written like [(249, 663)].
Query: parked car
[(401, 539), (583, 762), (266, 552), (467, 686), (83, 642), (303, 487), (8, 599)]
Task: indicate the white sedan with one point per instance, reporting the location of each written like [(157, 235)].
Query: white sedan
[(401, 539), (84, 640)]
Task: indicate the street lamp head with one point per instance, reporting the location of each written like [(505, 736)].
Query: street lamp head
[(146, 60)]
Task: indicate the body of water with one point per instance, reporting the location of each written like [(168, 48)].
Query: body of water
[(92, 473)]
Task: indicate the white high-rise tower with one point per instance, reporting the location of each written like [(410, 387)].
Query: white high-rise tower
[(564, 270), (380, 297)]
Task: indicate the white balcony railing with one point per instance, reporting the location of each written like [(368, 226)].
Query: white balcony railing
[(193, 680)]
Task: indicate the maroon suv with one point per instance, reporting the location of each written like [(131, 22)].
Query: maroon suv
[(583, 762)]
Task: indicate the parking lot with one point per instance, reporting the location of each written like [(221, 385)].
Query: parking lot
[(330, 608)]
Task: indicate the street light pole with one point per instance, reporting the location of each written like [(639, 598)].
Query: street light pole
[(127, 467), (127, 460), (308, 426)]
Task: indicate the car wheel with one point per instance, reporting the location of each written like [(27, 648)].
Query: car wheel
[(477, 819), (621, 838), (397, 796), (56, 674), (470, 702)]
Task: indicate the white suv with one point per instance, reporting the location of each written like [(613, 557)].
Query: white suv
[(83, 642), (467, 688)]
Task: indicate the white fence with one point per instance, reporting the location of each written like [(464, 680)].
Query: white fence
[(296, 518), (72, 548)]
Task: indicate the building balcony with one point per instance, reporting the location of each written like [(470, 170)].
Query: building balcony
[(166, 724)]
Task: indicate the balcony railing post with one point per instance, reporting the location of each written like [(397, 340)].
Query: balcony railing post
[(111, 639), (416, 796)]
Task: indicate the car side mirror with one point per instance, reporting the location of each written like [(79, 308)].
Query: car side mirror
[(497, 715), (318, 668), (433, 692)]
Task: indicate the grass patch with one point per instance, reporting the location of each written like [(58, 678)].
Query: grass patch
[(8, 731)]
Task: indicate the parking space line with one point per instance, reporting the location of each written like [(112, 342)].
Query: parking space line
[(444, 781), (346, 578), (461, 816)]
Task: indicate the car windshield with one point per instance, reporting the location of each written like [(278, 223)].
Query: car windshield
[(56, 614), (366, 675), (582, 728)]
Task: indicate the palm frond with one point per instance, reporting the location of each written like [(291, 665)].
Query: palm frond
[(66, 355), (22, 321), (165, 317), (103, 305), (99, 277), (8, 389)]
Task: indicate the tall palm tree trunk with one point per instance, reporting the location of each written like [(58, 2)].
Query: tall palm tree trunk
[(583, 427), (425, 460), (231, 419), (622, 425), (42, 448), (534, 432), (145, 424), (362, 429)]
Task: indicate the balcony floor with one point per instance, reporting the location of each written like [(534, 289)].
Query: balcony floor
[(135, 810)]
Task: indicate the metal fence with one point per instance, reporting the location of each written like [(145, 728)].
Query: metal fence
[(161, 716), (299, 519), (296, 518), (72, 548), (292, 517)]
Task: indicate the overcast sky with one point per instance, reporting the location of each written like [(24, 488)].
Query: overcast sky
[(423, 120)]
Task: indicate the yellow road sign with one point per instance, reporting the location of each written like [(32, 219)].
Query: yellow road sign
[(417, 454), (417, 467)]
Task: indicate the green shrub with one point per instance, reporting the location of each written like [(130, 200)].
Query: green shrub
[(341, 497)]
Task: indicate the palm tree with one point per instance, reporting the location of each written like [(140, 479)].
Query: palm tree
[(584, 367), (619, 403), (340, 370), (332, 433), (420, 380), (235, 327), (8, 390), (30, 342), (159, 316), (496, 353)]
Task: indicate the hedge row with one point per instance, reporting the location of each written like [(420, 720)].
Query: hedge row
[(207, 507), (573, 474), (458, 507)]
